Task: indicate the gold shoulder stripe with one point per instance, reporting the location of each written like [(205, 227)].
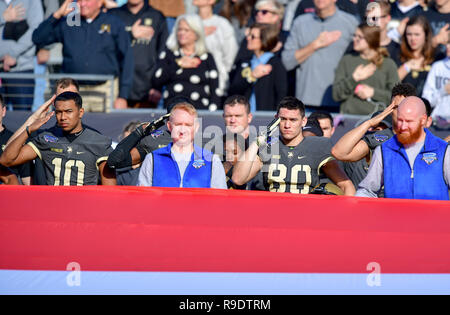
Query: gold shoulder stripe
[(101, 160), (35, 149), (328, 159)]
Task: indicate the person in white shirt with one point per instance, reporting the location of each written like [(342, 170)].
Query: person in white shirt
[(437, 86), (220, 40)]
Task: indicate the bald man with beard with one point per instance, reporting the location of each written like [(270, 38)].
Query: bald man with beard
[(414, 164)]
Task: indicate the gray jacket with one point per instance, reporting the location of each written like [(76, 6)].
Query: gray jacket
[(23, 50)]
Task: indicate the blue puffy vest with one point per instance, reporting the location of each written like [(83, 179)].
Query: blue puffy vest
[(197, 175), (425, 181)]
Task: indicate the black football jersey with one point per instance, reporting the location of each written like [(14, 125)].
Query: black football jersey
[(71, 160), (156, 140), (23, 170), (294, 169)]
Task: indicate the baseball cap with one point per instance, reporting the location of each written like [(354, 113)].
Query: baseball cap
[(314, 127)]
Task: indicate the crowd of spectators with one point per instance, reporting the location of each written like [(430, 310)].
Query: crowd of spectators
[(344, 56)]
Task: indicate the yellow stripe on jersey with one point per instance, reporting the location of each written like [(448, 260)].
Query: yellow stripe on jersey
[(35, 149), (328, 159), (101, 160)]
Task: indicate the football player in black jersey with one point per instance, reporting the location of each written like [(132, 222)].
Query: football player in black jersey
[(291, 162), (23, 171), (72, 154)]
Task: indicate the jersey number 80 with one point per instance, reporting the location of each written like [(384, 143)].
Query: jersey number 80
[(293, 183)]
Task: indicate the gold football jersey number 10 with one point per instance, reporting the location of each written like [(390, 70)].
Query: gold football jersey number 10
[(280, 179), (57, 162)]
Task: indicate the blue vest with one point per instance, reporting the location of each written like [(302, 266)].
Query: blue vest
[(425, 181), (197, 175)]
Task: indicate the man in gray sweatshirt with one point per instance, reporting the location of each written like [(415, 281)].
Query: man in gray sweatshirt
[(315, 46), (18, 20)]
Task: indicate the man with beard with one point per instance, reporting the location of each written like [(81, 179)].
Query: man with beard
[(414, 164)]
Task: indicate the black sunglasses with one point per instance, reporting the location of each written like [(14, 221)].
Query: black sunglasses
[(264, 12)]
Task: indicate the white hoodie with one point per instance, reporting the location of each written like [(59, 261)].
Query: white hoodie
[(434, 89)]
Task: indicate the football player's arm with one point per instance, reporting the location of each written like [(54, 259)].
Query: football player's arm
[(41, 113), (247, 166), (127, 152), (8, 178), (350, 148), (338, 176), (107, 175), (16, 153)]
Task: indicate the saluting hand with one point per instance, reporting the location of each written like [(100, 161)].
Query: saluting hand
[(374, 122), (41, 116), (64, 9)]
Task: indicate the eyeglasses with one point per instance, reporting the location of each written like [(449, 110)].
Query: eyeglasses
[(264, 12), (358, 37), (252, 37)]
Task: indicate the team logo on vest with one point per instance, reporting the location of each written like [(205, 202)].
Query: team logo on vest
[(429, 158), (50, 139), (198, 164), (3, 147), (148, 22), (381, 138)]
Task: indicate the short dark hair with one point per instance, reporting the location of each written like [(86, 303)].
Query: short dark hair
[(427, 106), (2, 101), (66, 82), (292, 103), (269, 35), (322, 114), (403, 89), (70, 96), (238, 99)]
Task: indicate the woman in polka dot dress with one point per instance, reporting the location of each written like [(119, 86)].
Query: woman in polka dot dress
[(186, 68)]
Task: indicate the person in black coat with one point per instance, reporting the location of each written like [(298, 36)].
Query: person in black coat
[(148, 30), (262, 78)]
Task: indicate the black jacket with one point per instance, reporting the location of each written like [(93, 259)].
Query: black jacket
[(145, 52), (100, 47), (269, 90)]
